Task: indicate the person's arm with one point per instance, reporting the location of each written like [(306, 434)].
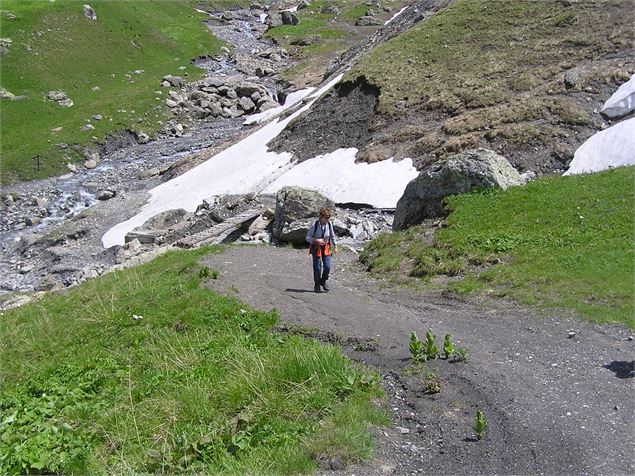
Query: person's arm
[(333, 237)]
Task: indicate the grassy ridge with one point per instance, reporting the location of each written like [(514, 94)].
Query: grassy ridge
[(483, 53), (72, 53), (198, 383), (557, 242)]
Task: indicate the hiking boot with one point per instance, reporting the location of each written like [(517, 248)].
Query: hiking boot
[(325, 286), (317, 289)]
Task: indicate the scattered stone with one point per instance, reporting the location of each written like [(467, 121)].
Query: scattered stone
[(329, 9), (65, 102), (72, 167), (246, 104), (106, 195), (572, 77), (175, 81), (56, 95), (402, 430), (87, 127), (367, 21), (89, 12), (165, 84), (32, 221), (57, 129), (571, 334), (143, 138), (97, 117), (5, 44), (95, 89), (171, 103), (90, 164)]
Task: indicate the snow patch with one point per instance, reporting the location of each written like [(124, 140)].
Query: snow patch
[(622, 101), (242, 168), (291, 99), (336, 175), (612, 147), (396, 15)]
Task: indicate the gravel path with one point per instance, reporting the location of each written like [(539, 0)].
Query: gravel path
[(557, 392)]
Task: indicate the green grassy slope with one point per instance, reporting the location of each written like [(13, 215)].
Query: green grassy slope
[(557, 242), (482, 53), (72, 53), (146, 370)]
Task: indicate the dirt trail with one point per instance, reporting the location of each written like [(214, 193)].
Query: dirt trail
[(555, 403)]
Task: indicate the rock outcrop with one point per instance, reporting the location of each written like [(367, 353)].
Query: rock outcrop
[(472, 169), (296, 209)]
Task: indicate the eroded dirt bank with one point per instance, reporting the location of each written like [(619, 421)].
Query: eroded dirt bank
[(556, 391)]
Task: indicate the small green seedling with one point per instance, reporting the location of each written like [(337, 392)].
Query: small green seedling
[(479, 425), (460, 355), (431, 349), (416, 347), (448, 348)]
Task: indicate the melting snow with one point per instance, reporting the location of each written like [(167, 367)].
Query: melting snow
[(622, 101), (612, 147), (249, 167), (396, 15), (337, 176)]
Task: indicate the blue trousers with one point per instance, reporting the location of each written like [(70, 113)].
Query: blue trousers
[(321, 267)]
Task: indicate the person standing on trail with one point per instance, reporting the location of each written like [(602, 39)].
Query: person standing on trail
[(323, 242)]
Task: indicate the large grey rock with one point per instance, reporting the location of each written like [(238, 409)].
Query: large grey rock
[(295, 203), (367, 21), (472, 169), (295, 232), (289, 18), (166, 220)]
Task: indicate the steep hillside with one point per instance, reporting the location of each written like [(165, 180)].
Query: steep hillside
[(109, 67), (525, 78)]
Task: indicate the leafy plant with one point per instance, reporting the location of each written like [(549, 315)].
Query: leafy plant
[(479, 425), (416, 347), (460, 355), (207, 272), (448, 348), (431, 349)]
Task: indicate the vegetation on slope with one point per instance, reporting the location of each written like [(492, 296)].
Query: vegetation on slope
[(490, 73), (145, 370), (557, 242), (54, 47), (323, 34), (481, 53)]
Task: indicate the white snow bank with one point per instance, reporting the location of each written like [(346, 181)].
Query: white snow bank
[(612, 147), (242, 168), (396, 15), (291, 99), (337, 176), (622, 101)]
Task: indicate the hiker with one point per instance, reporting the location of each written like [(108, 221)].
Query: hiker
[(323, 242)]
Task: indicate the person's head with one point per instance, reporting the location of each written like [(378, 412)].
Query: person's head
[(325, 214)]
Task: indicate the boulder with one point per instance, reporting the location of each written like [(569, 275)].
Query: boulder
[(166, 220), (329, 9), (56, 95), (175, 81), (367, 21), (106, 195), (295, 232), (89, 12), (472, 169), (246, 104), (295, 203), (274, 20), (289, 18)]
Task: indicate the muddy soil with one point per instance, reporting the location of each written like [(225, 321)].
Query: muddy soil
[(557, 392)]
